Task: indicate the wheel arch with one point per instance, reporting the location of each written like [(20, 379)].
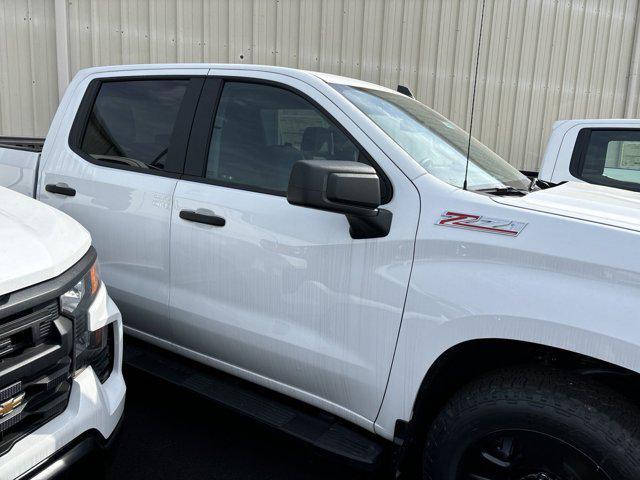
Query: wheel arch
[(465, 361)]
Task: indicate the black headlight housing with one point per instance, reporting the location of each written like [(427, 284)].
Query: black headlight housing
[(89, 347)]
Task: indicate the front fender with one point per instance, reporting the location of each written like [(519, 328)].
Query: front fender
[(574, 319), (578, 291)]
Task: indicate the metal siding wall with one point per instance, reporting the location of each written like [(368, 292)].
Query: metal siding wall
[(28, 80), (541, 60)]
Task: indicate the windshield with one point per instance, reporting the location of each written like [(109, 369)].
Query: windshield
[(433, 141)]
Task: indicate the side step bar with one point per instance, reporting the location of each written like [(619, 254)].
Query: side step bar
[(318, 428)]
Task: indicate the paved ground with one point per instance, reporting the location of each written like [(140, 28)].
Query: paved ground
[(172, 434)]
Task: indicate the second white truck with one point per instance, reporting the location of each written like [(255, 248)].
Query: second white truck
[(314, 236), (61, 387)]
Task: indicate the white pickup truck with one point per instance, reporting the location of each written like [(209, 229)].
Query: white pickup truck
[(61, 386), (309, 237), (598, 151)]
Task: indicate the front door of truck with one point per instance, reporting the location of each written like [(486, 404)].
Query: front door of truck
[(116, 171), (277, 293)]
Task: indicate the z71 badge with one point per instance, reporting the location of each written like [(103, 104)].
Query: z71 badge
[(480, 223)]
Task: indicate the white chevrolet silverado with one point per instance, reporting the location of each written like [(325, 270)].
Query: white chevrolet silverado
[(61, 387), (323, 244)]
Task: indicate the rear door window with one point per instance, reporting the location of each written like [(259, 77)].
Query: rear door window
[(610, 157), (131, 122)]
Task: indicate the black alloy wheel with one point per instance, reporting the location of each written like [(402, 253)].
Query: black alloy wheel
[(534, 423), (527, 455)]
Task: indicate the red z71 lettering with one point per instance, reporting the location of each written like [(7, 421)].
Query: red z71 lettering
[(480, 223)]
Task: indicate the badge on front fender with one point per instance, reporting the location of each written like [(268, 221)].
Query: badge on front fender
[(479, 223)]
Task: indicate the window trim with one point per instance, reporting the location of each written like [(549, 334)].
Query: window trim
[(579, 155), (181, 131), (200, 139)]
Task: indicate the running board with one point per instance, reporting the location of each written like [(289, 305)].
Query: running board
[(317, 428)]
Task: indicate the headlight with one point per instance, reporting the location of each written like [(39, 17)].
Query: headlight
[(75, 304)]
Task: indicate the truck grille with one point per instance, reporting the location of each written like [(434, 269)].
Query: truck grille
[(35, 369), (12, 344)]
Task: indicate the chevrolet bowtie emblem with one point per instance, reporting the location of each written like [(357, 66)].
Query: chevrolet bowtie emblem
[(10, 405)]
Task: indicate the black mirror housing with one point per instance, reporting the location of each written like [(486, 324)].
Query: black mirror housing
[(345, 187), (351, 188)]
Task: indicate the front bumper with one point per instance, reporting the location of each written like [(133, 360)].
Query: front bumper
[(60, 461), (94, 410)]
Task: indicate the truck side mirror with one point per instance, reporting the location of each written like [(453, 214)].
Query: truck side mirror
[(351, 188)]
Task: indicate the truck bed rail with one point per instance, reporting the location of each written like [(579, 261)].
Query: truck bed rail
[(30, 144)]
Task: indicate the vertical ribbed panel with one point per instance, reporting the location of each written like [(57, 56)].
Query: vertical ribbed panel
[(541, 60), (28, 79)]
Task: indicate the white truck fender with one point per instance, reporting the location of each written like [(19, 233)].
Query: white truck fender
[(470, 285)]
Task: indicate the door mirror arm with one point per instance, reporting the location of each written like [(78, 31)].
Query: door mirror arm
[(350, 188), (370, 226)]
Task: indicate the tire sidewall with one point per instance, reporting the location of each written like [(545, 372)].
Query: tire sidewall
[(462, 424)]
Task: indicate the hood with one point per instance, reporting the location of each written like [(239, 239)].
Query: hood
[(37, 242), (583, 201)]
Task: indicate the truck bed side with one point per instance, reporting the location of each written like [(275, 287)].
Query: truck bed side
[(19, 159)]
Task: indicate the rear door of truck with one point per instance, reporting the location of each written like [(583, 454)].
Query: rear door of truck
[(114, 166)]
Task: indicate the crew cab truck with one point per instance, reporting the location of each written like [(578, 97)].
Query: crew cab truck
[(598, 151), (61, 387), (325, 241)]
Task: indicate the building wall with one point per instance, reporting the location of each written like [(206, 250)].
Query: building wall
[(28, 79), (540, 61)]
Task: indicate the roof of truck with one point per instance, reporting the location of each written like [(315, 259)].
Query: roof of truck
[(292, 72), (566, 124)]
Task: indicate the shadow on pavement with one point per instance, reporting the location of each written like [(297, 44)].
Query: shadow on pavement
[(172, 434)]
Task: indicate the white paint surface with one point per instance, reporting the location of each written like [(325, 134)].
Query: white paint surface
[(37, 242)]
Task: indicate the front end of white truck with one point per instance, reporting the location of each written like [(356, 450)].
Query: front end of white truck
[(62, 392), (519, 350)]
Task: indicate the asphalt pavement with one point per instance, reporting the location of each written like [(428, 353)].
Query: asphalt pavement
[(169, 433)]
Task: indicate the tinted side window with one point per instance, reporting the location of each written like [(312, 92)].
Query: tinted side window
[(612, 156), (260, 131), (131, 122)]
